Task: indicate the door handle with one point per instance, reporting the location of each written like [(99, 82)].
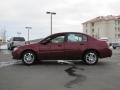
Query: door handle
[(59, 45), (82, 44)]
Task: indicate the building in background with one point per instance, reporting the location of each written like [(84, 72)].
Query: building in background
[(103, 27)]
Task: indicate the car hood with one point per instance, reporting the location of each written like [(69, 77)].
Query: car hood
[(29, 46)]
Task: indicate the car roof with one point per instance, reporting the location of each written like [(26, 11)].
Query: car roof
[(69, 33)]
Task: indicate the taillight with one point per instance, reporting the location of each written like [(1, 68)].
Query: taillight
[(104, 44)]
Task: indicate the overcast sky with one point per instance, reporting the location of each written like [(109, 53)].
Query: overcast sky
[(15, 15)]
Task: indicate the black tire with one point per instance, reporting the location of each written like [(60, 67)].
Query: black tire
[(114, 47), (90, 58), (8, 48), (12, 48), (28, 58)]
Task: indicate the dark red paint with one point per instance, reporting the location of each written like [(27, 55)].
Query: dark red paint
[(46, 50)]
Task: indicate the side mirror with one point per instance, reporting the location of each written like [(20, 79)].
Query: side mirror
[(44, 42)]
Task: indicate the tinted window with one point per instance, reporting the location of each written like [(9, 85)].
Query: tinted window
[(58, 39), (18, 39), (84, 38), (76, 38)]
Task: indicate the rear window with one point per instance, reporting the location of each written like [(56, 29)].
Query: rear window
[(18, 39)]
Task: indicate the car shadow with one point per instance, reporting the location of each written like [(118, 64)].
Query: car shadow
[(101, 63)]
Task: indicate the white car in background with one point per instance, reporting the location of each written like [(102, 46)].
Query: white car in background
[(14, 42)]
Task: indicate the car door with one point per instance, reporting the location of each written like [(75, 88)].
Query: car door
[(53, 49), (75, 45)]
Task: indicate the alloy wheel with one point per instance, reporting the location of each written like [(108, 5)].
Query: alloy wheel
[(28, 58), (91, 58)]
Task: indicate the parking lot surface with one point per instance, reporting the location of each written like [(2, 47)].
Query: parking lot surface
[(54, 76)]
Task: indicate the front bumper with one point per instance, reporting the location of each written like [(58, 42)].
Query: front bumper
[(16, 55)]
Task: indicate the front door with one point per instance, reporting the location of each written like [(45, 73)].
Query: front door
[(53, 49)]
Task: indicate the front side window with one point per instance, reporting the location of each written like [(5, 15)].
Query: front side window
[(76, 38), (58, 39)]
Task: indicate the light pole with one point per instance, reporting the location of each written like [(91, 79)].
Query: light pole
[(51, 13), (28, 28)]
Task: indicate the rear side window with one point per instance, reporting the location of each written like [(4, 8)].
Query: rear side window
[(77, 38), (84, 38), (18, 39)]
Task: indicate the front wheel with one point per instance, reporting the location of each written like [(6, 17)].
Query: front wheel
[(28, 58), (91, 57)]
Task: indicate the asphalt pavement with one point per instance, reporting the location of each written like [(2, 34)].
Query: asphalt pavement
[(55, 76)]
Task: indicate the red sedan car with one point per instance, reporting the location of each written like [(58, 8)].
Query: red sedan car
[(64, 46)]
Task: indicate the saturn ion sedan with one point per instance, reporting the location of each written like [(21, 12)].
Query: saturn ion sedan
[(64, 46)]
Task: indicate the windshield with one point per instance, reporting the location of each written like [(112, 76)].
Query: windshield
[(18, 39)]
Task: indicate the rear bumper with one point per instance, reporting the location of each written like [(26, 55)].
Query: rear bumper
[(105, 53)]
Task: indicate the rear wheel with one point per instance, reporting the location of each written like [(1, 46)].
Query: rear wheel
[(91, 57), (28, 58)]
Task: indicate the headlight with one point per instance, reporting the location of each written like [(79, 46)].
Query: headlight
[(15, 48)]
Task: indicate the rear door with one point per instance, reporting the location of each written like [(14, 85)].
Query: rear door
[(75, 45)]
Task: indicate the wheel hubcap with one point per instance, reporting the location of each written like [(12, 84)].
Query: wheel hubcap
[(91, 58), (29, 58)]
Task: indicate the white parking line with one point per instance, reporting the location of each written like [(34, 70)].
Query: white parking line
[(8, 63)]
